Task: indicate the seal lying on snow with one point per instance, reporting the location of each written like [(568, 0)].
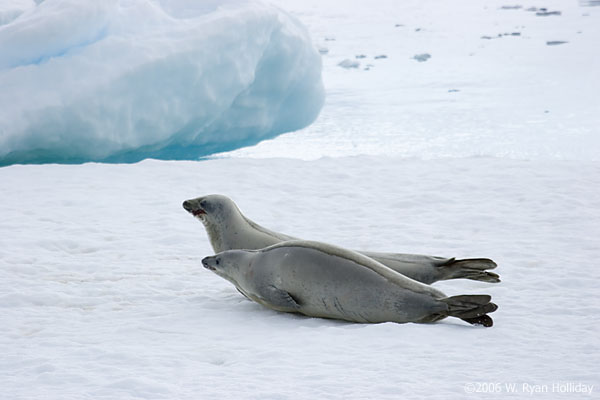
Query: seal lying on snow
[(229, 229), (320, 280)]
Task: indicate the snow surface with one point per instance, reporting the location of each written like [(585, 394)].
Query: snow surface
[(121, 80), (102, 295), (511, 96)]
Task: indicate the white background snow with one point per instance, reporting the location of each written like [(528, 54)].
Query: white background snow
[(508, 96), (102, 295)]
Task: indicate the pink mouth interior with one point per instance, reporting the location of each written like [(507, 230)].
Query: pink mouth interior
[(197, 213)]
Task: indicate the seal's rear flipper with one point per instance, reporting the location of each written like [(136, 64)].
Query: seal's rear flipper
[(470, 268), (471, 308), (484, 320)]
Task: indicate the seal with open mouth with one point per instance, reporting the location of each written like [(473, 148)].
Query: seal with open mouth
[(229, 229)]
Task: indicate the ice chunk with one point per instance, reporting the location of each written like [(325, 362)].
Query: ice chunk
[(121, 80), (545, 13), (347, 63), (323, 50), (422, 57), (11, 9)]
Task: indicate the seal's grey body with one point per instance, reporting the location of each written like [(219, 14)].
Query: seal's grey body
[(320, 280), (229, 229)]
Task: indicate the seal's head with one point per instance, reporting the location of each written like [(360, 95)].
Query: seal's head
[(219, 214), (232, 265), (212, 209)]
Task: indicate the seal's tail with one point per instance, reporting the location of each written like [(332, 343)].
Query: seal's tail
[(471, 308), (470, 268)]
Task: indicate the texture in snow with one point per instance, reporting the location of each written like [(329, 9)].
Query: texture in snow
[(121, 80), (103, 295)]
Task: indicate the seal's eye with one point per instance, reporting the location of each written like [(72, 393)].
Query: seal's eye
[(207, 206), (217, 261)]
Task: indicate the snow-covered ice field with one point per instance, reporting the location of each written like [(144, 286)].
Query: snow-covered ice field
[(492, 87), (102, 294)]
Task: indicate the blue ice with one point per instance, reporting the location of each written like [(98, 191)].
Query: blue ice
[(124, 80)]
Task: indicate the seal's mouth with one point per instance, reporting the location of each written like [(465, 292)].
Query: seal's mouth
[(193, 208), (206, 264), (198, 213)]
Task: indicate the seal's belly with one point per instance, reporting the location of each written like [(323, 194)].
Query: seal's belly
[(378, 306), (354, 295)]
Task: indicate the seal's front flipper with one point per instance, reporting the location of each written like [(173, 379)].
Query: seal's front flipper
[(243, 294), (278, 299)]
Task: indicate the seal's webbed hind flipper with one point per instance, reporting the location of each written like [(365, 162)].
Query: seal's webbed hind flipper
[(484, 320), (470, 268), (279, 299), (471, 308)]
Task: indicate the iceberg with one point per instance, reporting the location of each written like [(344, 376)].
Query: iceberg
[(124, 80)]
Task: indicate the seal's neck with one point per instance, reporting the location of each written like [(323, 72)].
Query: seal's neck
[(215, 235), (227, 229)]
